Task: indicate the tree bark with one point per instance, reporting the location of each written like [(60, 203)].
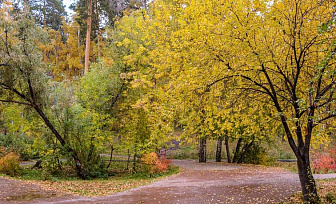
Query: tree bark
[(79, 47), (245, 150), (134, 162), (44, 14), (228, 154), (88, 38), (237, 151), (79, 167), (37, 165), (202, 150), (219, 150), (307, 181), (128, 159), (98, 31), (111, 156), (25, 7)]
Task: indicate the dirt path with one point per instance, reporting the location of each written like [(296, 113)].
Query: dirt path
[(210, 183), (13, 191), (197, 183)]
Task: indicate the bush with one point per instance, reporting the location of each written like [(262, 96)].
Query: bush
[(324, 162), (21, 144), (330, 198), (156, 165), (10, 164), (257, 155)]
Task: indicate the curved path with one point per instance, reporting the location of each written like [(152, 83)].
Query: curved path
[(204, 183)]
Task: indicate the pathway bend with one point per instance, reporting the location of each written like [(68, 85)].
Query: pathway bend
[(197, 183), (209, 183)]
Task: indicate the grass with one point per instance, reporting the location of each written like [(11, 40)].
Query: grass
[(70, 184), (291, 166)]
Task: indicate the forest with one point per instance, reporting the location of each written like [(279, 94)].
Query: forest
[(85, 86)]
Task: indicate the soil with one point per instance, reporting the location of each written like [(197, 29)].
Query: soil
[(209, 182), (14, 191)]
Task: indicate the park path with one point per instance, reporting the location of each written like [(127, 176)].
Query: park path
[(197, 183)]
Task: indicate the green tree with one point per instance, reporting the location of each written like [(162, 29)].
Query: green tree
[(23, 75)]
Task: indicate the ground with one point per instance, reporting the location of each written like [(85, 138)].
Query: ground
[(197, 183)]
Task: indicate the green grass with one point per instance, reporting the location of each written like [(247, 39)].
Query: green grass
[(291, 166)]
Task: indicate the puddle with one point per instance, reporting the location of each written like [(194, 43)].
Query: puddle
[(28, 197)]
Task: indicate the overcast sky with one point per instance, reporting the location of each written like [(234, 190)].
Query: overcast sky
[(67, 3)]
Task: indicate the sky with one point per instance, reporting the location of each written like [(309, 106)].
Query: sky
[(67, 3)]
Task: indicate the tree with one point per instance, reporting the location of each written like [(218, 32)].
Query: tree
[(45, 12), (290, 68), (88, 38), (282, 52), (22, 76)]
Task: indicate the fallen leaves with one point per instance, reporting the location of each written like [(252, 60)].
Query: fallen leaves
[(92, 188)]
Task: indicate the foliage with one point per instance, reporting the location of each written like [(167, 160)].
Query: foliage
[(10, 164), (70, 184), (156, 165), (82, 129), (326, 189), (184, 152), (257, 155), (324, 162), (200, 49)]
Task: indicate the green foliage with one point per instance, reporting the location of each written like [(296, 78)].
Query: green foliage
[(330, 198), (257, 155), (184, 152), (83, 128), (20, 143), (286, 155)]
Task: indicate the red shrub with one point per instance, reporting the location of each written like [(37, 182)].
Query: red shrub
[(324, 162), (157, 165)]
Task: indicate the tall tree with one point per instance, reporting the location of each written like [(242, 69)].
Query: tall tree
[(282, 52), (45, 12), (88, 37), (291, 68), (23, 76)]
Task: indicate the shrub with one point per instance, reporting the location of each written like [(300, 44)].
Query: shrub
[(330, 198), (21, 144), (257, 155), (10, 164), (324, 162), (156, 165)]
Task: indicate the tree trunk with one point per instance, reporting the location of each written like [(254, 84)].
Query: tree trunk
[(245, 150), (134, 162), (219, 150), (37, 165), (79, 167), (228, 154), (128, 159), (111, 156), (25, 7), (202, 150), (88, 38), (44, 14), (79, 47), (98, 32), (307, 181), (237, 151)]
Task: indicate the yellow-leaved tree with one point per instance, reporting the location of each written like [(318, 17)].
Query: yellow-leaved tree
[(282, 52)]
